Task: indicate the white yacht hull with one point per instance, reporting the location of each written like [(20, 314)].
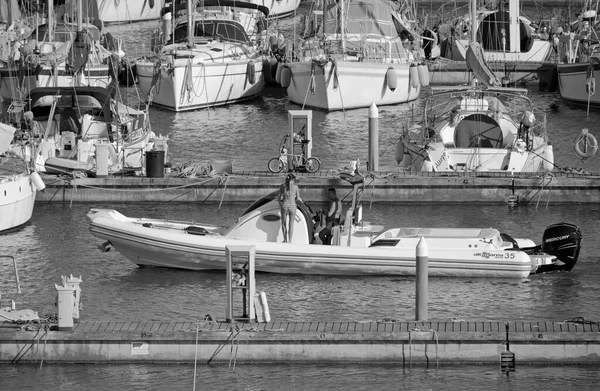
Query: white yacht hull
[(210, 84), (348, 85), (17, 199)]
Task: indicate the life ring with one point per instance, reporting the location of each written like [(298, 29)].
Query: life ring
[(585, 145)]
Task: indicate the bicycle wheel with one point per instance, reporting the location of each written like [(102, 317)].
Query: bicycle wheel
[(275, 165), (313, 164)]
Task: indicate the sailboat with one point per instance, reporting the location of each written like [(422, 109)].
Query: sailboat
[(510, 46), (210, 62), (482, 127), (352, 56), (580, 67), (18, 185), (54, 53)]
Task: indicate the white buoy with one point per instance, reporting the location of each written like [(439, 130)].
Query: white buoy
[(37, 181)]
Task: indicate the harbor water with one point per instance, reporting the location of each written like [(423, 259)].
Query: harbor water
[(57, 242)]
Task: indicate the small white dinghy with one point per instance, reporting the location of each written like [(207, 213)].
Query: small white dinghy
[(362, 249)]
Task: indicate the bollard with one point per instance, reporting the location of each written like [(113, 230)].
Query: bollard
[(422, 280), (373, 138), (64, 302), (73, 283)]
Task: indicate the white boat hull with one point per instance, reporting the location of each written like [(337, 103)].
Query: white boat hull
[(358, 84), (212, 83), (539, 52), (153, 246), (17, 199), (572, 79)]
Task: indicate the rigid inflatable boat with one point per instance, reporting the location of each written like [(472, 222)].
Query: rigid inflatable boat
[(361, 249)]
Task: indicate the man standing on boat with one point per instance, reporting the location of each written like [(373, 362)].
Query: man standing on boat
[(333, 216), (288, 194)]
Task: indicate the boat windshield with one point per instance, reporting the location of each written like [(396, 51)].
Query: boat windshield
[(225, 30)]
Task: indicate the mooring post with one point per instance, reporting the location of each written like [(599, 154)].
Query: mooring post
[(373, 138), (422, 280)]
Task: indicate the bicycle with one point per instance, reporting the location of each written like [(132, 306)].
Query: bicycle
[(299, 162)]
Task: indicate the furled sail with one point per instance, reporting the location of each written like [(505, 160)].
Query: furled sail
[(477, 65)]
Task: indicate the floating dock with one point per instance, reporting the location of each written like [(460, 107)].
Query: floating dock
[(302, 342), (379, 187)]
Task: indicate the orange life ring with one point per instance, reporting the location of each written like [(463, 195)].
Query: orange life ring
[(585, 145)]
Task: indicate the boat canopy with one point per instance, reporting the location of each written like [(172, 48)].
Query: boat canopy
[(40, 100), (181, 6), (363, 17), (63, 32), (227, 30), (496, 25)]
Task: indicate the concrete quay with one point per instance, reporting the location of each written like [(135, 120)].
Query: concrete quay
[(379, 187), (388, 341)]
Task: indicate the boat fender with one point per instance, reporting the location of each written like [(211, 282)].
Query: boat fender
[(585, 145), (590, 83), (391, 79), (266, 70), (148, 225), (413, 74), (193, 230), (427, 166), (278, 73), (423, 74), (286, 77), (548, 158), (399, 151), (251, 72), (37, 181)]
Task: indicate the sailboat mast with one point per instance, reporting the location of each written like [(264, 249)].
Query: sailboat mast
[(515, 33), (190, 21), (343, 27), (51, 21), (79, 16), (473, 20)]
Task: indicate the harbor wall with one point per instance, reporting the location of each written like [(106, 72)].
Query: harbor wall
[(350, 342), (377, 187)]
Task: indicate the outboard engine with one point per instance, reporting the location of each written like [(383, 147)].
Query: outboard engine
[(562, 240)]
